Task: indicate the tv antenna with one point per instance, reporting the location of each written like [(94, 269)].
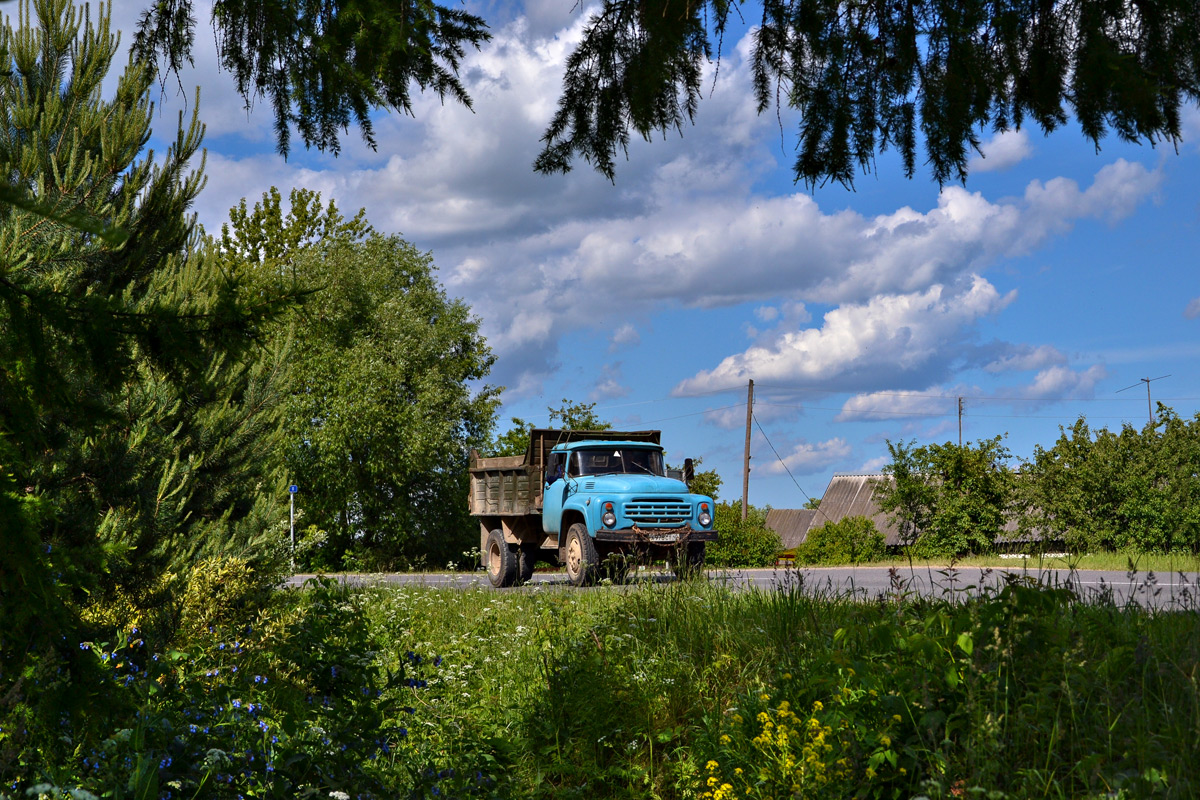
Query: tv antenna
[(1146, 381)]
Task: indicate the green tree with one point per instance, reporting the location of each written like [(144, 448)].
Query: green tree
[(129, 413), (1133, 490), (322, 64), (868, 76), (742, 543), (850, 540), (381, 412), (569, 416), (115, 356), (948, 500)]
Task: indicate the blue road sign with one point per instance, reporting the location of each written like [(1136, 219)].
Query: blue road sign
[(293, 488)]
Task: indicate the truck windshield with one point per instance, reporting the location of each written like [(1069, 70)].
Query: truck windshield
[(605, 461)]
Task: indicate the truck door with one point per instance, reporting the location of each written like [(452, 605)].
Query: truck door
[(555, 493)]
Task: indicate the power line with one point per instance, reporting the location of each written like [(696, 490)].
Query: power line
[(781, 461)]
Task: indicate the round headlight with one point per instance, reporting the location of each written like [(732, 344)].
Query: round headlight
[(609, 519), (705, 519)]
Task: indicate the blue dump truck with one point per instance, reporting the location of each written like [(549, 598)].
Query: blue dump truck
[(594, 501)]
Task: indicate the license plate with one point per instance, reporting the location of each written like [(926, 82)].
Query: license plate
[(664, 537)]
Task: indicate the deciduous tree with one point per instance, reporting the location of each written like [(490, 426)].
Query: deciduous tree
[(384, 400)]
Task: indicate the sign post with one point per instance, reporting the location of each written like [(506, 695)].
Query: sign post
[(292, 519)]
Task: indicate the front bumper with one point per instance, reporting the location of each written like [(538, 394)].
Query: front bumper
[(655, 536)]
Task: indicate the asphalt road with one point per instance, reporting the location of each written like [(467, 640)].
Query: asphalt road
[(1176, 590)]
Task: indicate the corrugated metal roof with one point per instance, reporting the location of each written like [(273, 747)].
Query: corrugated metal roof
[(853, 495), (791, 524)]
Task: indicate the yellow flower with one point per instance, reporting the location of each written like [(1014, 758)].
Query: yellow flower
[(787, 676), (903, 771), (724, 739), (886, 740), (737, 718), (896, 717), (870, 773), (737, 771), (711, 765), (712, 780), (818, 706), (765, 698)]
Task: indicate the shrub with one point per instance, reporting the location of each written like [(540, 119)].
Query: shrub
[(850, 540), (743, 543)]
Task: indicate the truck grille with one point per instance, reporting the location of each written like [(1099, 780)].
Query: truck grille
[(658, 511)]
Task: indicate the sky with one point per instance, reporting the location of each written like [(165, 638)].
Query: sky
[(1056, 277)]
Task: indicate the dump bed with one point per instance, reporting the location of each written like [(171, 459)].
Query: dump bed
[(512, 485)]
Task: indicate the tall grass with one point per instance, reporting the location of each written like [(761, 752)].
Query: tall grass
[(687, 690)]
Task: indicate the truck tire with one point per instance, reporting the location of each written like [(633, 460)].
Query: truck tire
[(582, 560), (688, 560), (501, 560), (527, 558)]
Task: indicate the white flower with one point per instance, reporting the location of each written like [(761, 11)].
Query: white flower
[(336, 795)]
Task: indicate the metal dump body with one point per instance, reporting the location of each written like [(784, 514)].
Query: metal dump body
[(507, 486)]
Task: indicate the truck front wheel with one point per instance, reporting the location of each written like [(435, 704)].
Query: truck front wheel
[(582, 559), (688, 560), (501, 561)]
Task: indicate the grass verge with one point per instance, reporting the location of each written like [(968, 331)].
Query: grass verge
[(675, 690)]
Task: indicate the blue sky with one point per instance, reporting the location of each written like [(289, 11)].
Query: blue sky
[(1054, 278)]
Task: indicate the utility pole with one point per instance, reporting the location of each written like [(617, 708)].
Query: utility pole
[(746, 461), (960, 408), (1147, 381)]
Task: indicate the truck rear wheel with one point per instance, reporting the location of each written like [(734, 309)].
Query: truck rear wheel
[(501, 560), (582, 560), (527, 558)]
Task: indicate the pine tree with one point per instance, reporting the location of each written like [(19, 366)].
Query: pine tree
[(132, 392)]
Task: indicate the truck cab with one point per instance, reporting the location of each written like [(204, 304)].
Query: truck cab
[(599, 496)]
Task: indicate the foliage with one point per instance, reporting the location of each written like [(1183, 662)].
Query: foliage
[(324, 63), (281, 699), (948, 500), (866, 77), (381, 412), (129, 415), (569, 416), (742, 543), (850, 540), (645, 691), (1135, 491), (706, 482)]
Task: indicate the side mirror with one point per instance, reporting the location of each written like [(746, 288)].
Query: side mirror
[(689, 471)]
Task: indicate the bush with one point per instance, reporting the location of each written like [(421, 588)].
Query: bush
[(743, 543), (850, 540)]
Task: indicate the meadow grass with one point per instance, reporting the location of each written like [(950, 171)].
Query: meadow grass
[(654, 689), (690, 690)]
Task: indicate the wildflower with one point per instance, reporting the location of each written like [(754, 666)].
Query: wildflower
[(711, 765), (886, 740), (818, 706), (336, 795), (896, 717), (870, 773), (765, 698), (787, 676), (725, 739)]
